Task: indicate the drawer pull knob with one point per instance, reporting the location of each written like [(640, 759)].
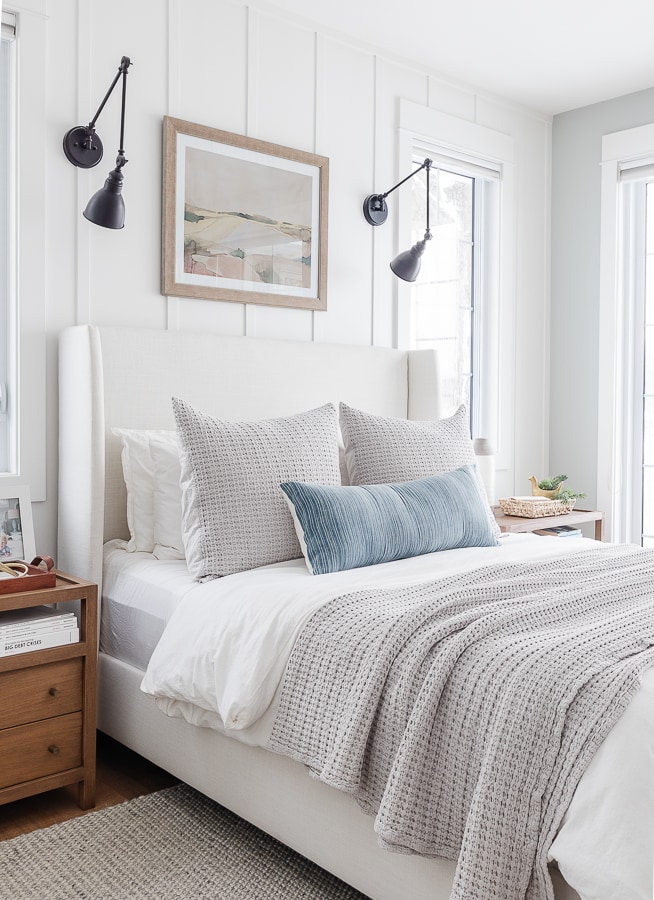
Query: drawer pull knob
[(54, 692), (54, 750)]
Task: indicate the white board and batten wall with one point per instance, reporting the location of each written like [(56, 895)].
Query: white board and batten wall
[(251, 69)]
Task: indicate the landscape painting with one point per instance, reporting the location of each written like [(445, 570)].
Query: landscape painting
[(244, 220)]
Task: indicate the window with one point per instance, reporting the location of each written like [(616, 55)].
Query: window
[(636, 265), (8, 326), (647, 499), (23, 217), (625, 453), (473, 199), (454, 301)]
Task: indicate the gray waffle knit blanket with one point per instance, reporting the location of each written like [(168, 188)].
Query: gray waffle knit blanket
[(462, 713)]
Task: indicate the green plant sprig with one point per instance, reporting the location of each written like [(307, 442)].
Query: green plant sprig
[(565, 494), (551, 484)]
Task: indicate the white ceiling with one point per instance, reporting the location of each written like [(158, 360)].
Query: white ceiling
[(549, 56)]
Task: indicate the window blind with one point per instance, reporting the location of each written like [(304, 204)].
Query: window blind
[(638, 170), (461, 165)]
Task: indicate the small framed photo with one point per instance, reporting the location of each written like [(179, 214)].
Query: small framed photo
[(16, 527), (243, 220)]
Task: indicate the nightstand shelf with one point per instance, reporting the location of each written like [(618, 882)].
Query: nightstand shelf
[(48, 702), (518, 524)]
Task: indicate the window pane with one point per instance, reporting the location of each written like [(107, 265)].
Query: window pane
[(649, 283), (442, 298), (455, 202), (648, 401), (650, 218), (649, 359), (648, 501), (648, 433)]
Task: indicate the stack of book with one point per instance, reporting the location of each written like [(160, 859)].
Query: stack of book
[(36, 628), (560, 531)]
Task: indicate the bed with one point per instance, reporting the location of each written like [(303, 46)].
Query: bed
[(120, 378)]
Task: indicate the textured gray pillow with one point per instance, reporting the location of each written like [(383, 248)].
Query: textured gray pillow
[(383, 450), (234, 516)]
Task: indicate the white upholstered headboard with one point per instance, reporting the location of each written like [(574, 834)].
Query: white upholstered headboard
[(125, 377)]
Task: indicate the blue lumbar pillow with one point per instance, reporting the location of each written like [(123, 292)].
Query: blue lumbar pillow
[(345, 527)]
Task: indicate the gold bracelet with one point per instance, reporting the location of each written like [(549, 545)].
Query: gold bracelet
[(14, 568)]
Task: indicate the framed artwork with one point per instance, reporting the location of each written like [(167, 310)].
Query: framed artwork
[(16, 528), (243, 220)]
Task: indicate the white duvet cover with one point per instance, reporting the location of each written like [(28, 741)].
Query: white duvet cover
[(222, 656)]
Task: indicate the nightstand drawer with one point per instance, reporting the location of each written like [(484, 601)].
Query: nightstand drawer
[(42, 748), (40, 692)]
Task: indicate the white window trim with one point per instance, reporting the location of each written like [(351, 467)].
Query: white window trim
[(30, 247), (477, 144), (621, 150)]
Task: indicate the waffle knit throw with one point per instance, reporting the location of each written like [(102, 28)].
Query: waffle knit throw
[(462, 713)]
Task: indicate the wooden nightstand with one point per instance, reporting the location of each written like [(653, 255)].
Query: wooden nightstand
[(516, 524), (48, 702)]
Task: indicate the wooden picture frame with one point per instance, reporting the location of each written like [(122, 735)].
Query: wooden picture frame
[(16, 526), (243, 220)]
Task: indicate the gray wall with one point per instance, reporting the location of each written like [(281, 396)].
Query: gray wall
[(574, 401)]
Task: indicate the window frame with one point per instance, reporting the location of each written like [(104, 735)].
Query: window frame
[(619, 463), (30, 227), (631, 282), (484, 310), (8, 304), (457, 139)]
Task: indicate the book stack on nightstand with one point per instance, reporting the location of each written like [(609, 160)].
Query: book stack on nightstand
[(25, 630), (560, 531), (576, 517)]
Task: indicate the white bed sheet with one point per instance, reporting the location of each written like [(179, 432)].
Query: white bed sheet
[(227, 672), (139, 595), (227, 676)]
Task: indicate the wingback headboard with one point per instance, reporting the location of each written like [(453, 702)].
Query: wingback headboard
[(126, 377)]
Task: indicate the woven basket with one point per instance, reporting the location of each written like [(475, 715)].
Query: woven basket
[(535, 509)]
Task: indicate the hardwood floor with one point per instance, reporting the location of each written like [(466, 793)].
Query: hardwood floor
[(121, 775)]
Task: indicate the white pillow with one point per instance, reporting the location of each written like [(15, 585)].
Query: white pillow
[(385, 450), (168, 543), (234, 516), (138, 473)]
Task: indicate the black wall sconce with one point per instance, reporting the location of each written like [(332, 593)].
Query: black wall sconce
[(83, 147), (406, 265)]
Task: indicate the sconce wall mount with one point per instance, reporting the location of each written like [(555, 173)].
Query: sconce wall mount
[(83, 147)]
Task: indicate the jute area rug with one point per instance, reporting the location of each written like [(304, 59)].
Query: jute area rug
[(174, 844)]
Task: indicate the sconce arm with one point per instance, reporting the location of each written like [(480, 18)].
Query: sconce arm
[(125, 63), (375, 209), (426, 165), (82, 144)]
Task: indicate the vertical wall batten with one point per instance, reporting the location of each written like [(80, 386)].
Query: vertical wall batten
[(84, 57), (173, 106)]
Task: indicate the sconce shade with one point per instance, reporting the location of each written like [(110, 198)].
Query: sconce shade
[(406, 265), (107, 207)]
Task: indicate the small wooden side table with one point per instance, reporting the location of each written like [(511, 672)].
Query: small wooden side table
[(517, 524), (48, 702)]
